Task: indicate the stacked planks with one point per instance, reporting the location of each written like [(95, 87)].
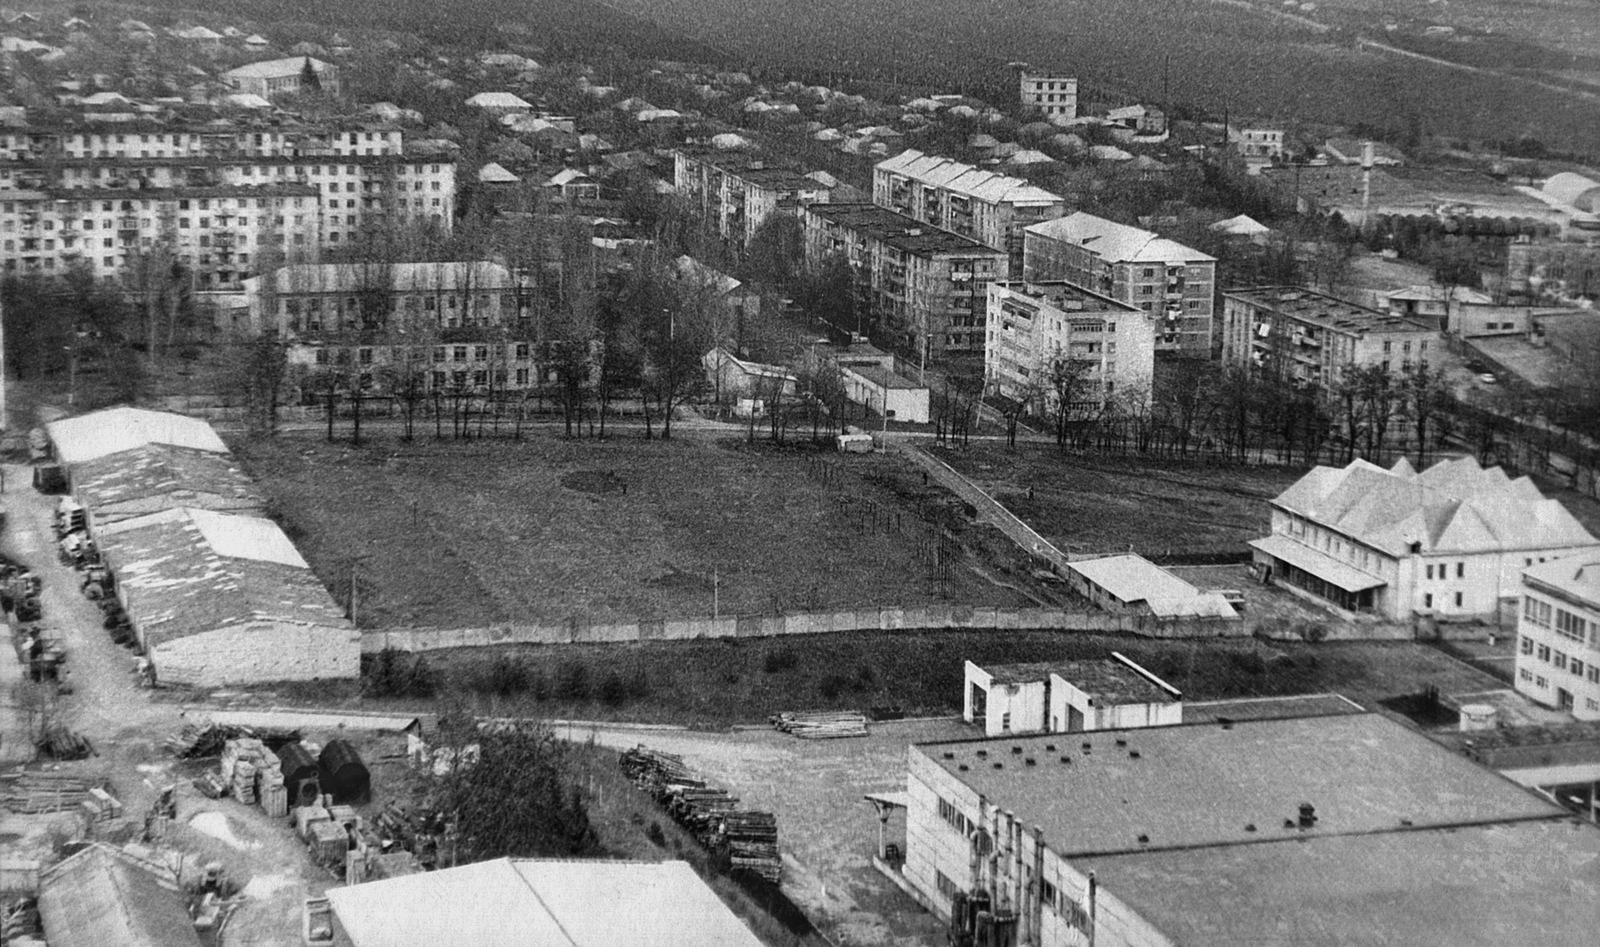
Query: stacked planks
[(48, 792), (200, 741), (748, 839), (821, 724), (62, 743)]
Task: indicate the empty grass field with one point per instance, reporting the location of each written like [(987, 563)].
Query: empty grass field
[(465, 534)]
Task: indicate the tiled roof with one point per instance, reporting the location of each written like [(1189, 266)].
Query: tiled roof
[(158, 477), (1453, 507), (98, 898), (966, 179), (1117, 243)]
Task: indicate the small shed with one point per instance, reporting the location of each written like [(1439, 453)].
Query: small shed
[(884, 391), (1068, 696), (301, 774), (343, 775)]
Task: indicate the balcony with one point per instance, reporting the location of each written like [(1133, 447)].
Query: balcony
[(127, 225)]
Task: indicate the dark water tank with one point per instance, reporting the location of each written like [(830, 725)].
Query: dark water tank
[(300, 774), (344, 776)]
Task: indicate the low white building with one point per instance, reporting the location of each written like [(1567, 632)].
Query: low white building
[(732, 377), (885, 392), (282, 76), (1067, 697), (1450, 542), (1558, 635), (1134, 585)]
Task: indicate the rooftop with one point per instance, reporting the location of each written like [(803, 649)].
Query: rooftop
[(1117, 243), (1066, 296), (509, 903), (1110, 682), (1533, 882), (1363, 773), (965, 179), (754, 168), (98, 898), (1577, 576), (277, 68), (113, 430), (1455, 506), (395, 277), (157, 477), (189, 571), (882, 377), (1130, 578), (899, 231), (1269, 708), (1329, 312), (1402, 189)]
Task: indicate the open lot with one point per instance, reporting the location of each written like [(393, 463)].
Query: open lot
[(1106, 504), (464, 534)]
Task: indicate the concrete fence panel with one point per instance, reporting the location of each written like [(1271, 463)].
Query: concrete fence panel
[(677, 630), (477, 637), (773, 626), (747, 626), (652, 630)]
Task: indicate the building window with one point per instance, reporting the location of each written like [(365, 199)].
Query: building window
[(1594, 674), (1539, 681), (1544, 652), (947, 888), (1527, 645), (1458, 600), (1569, 625), (1461, 570), (1430, 572), (1560, 661), (955, 817), (1525, 674), (1576, 667), (1427, 600)]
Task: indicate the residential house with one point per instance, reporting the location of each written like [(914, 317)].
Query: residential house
[(1257, 142), (468, 322), (1448, 543), (501, 103), (1316, 831), (925, 289), (1458, 311), (553, 903), (1068, 697), (495, 173), (1142, 269), (282, 76), (1031, 327), (1315, 339), (1053, 94), (102, 896), (1139, 119), (732, 378), (574, 185), (991, 208), (1133, 585), (727, 301), (1558, 635), (739, 191)]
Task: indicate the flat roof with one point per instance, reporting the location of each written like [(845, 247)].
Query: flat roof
[(1269, 708), (1066, 296), (1206, 784), (1308, 305), (1530, 882), (899, 231)]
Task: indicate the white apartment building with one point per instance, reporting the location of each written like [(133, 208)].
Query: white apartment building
[(222, 200), (281, 76), (740, 192), (1145, 270), (1053, 94), (1449, 543), (1558, 635), (1314, 339), (983, 205), (1031, 326)]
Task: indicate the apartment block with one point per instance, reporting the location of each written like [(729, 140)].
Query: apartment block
[(991, 208), (925, 288), (221, 199), (1032, 326), (1175, 283), (740, 191), (453, 326), (1051, 93), (1315, 339), (1558, 643)]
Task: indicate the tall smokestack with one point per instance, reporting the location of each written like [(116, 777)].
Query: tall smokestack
[(1366, 182)]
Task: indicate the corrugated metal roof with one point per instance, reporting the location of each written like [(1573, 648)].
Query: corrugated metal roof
[(512, 903), (94, 435), (98, 899)]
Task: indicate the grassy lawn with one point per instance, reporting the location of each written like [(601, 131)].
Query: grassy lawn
[(1107, 504), (464, 534), (719, 683)]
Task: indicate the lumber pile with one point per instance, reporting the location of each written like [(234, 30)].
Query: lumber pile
[(62, 743), (747, 839), (245, 761), (821, 724), (31, 793), (19, 922), (203, 740)]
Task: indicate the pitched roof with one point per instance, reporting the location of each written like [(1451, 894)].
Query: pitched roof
[(499, 100), (1455, 506), (1114, 242), (113, 430), (966, 179), (509, 903), (189, 571), (98, 898), (1578, 576), (156, 477), (494, 173), (275, 68), (1132, 578)]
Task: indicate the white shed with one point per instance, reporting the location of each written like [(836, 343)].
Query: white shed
[(1068, 696)]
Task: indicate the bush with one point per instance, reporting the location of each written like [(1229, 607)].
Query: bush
[(505, 675), (655, 835), (783, 658), (613, 691), (572, 681), (639, 684), (395, 673), (832, 685), (864, 679), (538, 684)]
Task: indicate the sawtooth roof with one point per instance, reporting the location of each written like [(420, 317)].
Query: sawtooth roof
[(1116, 243), (1455, 506), (965, 179)]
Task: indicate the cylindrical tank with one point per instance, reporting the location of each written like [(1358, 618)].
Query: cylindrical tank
[(343, 774)]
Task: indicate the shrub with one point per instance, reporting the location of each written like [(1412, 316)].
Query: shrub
[(864, 679), (572, 681), (832, 685), (395, 673), (613, 691), (639, 684), (538, 684), (779, 659), (505, 675), (655, 835)]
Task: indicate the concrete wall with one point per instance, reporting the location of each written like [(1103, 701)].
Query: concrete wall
[(918, 618), (259, 652)]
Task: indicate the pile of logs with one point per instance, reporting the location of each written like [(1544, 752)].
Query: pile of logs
[(202, 741), (749, 840), (822, 724), (61, 743), (19, 922), (31, 793)]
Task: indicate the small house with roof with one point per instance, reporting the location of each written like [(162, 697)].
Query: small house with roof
[(105, 897), (1450, 542), (1067, 697), (1133, 585), (282, 76)]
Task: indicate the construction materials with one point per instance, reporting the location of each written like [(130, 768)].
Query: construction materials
[(327, 841), (298, 770), (61, 743), (822, 724), (33, 792), (244, 760), (747, 839), (307, 816), (198, 741), (343, 775), (275, 801)]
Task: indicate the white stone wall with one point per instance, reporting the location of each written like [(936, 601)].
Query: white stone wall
[(260, 652)]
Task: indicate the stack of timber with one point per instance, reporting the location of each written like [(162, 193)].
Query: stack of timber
[(822, 724), (748, 839), (62, 743), (29, 793), (101, 806), (199, 741), (244, 761)]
